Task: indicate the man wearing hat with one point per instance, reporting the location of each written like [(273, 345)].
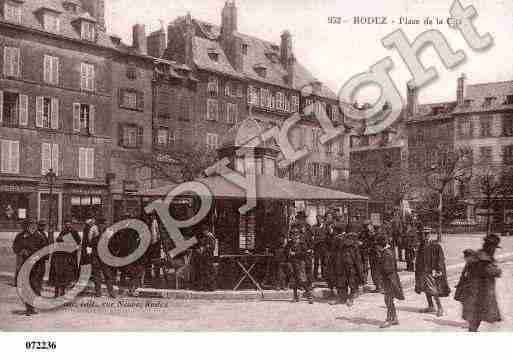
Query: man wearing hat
[(26, 244), (480, 299), (308, 238), (296, 250), (369, 255)]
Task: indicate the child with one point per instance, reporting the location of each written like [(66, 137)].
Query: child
[(386, 266)]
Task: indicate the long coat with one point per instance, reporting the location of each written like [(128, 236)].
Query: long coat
[(387, 268), (479, 299), (348, 264), (430, 257), (24, 246), (64, 266)]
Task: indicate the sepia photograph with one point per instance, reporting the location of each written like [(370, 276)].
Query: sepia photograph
[(255, 166)]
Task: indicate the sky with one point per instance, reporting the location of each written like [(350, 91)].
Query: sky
[(336, 52)]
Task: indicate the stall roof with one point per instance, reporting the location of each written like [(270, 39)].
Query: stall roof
[(267, 187)]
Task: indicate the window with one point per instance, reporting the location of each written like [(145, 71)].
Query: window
[(176, 137), (485, 154), (213, 86), (327, 172), (244, 49), (240, 91), (131, 99), (49, 158), (253, 95), (12, 61), (212, 141), (87, 77), (316, 133), (84, 207), (47, 112), (131, 136), (509, 100), (51, 70), (83, 118), (131, 71), (329, 148), (10, 156), (13, 109), (86, 162), (508, 155), (51, 22), (265, 98), (315, 169), (465, 128), (212, 110), (162, 137), (279, 101), (227, 89), (507, 125), (486, 126), (334, 113), (340, 148), (295, 103), (12, 12), (231, 113), (488, 101), (87, 31), (13, 207), (214, 56)]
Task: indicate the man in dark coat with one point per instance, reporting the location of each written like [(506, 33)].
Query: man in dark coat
[(348, 268), (370, 255), (480, 299), (283, 266), (392, 288), (431, 274), (331, 248), (410, 244), (319, 239), (202, 261), (26, 244), (297, 251), (64, 266), (307, 235)]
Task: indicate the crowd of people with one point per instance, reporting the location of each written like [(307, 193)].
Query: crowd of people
[(330, 251), (343, 258)]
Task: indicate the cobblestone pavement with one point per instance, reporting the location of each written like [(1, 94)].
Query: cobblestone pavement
[(138, 314)]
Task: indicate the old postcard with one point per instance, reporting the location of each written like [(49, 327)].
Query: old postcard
[(243, 165)]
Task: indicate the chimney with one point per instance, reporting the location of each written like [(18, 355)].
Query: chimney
[(460, 93), (139, 39), (287, 57), (157, 43), (96, 8), (229, 18), (189, 38), (411, 100)]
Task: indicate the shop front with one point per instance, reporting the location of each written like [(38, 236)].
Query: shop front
[(18, 201)]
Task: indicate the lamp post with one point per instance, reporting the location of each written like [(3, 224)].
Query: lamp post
[(50, 178)]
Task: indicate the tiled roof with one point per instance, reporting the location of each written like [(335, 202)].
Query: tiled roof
[(426, 112), (260, 53), (31, 18), (477, 94)]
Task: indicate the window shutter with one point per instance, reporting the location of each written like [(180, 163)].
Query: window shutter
[(55, 114), (55, 158), (1, 107), (83, 76), (82, 162), (23, 110), (90, 163), (15, 157), (55, 70), (121, 93), (47, 69), (90, 77), (6, 61), (39, 111), (76, 117), (4, 165), (46, 160), (120, 135), (92, 115), (140, 133), (140, 100), (16, 62)]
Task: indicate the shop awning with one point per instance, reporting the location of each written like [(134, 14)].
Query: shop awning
[(267, 187)]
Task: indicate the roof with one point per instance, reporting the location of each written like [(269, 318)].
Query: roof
[(267, 187), (477, 94), (260, 53), (426, 112)]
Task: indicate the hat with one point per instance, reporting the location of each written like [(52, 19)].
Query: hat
[(492, 240), (469, 253), (301, 214), (41, 223), (27, 222)]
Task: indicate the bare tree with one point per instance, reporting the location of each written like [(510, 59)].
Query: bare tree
[(368, 176), (447, 166), (489, 185)]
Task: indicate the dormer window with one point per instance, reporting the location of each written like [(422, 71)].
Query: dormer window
[(50, 19), (244, 49), (88, 30), (509, 100), (272, 56), (488, 101), (12, 11), (213, 54), (438, 110), (70, 6), (468, 103), (261, 70)]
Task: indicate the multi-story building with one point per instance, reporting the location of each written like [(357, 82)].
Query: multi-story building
[(73, 99), (239, 75)]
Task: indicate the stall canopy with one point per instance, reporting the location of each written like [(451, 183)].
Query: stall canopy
[(267, 187)]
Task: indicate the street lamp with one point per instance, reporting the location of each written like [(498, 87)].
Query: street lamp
[(50, 178)]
